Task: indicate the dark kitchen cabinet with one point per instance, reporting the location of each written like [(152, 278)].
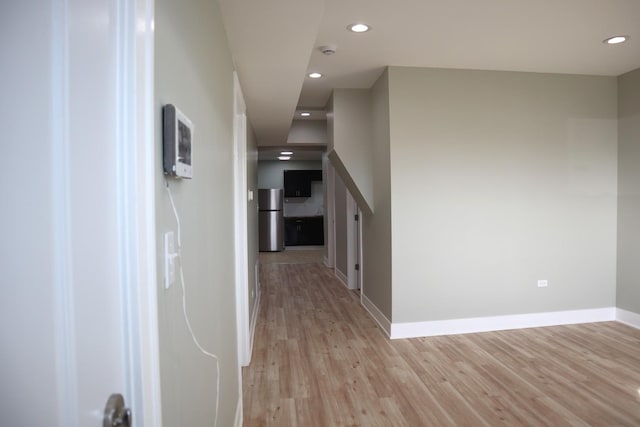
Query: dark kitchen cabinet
[(304, 231), (297, 183)]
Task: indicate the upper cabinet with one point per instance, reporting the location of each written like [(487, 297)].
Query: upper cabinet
[(297, 183)]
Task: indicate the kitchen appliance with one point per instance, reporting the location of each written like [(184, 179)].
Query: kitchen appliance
[(271, 219)]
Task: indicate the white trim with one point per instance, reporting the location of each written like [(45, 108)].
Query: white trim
[(628, 318), (342, 277), (142, 164), (500, 323), (65, 339), (377, 315), (254, 321), (241, 250), (325, 260), (238, 420), (243, 333), (136, 211)]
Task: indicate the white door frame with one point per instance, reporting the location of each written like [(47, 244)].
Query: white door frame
[(241, 225), (136, 187), (133, 183)]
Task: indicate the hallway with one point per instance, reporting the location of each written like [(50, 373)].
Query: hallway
[(320, 360)]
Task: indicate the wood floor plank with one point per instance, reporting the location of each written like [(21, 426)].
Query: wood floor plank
[(320, 360)]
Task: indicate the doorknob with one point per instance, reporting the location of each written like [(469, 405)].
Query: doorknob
[(115, 413)]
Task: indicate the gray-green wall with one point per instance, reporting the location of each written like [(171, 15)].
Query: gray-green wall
[(628, 290), (349, 129), (340, 224), (308, 132), (376, 228), (194, 71), (270, 172), (499, 179)]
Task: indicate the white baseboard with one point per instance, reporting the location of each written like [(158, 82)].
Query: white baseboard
[(254, 320), (238, 421), (326, 261), (377, 315), (628, 318), (341, 276), (499, 323)]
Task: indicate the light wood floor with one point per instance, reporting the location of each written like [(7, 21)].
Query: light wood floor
[(319, 360), (293, 256)]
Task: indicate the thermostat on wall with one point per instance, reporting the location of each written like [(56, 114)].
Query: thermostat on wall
[(177, 136)]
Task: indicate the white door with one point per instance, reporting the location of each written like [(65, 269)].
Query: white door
[(353, 243), (78, 309)]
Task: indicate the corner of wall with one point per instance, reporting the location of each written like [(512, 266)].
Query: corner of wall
[(628, 238), (376, 225)]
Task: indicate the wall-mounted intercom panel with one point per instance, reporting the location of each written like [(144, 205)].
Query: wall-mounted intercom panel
[(177, 139)]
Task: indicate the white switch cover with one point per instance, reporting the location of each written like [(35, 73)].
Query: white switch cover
[(169, 259), (543, 283)]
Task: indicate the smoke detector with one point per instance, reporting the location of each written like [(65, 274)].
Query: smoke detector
[(328, 49)]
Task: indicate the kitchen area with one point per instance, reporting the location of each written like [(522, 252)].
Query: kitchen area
[(291, 205)]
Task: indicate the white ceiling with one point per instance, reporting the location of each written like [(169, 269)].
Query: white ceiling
[(275, 43)]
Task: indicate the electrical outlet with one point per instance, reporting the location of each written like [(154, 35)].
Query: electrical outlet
[(170, 256), (543, 283)]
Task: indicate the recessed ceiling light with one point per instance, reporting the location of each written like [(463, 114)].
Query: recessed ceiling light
[(305, 114), (284, 158), (616, 39), (328, 49), (358, 28), (315, 75), (286, 153)]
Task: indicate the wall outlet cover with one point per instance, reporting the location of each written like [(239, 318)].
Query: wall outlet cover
[(169, 259)]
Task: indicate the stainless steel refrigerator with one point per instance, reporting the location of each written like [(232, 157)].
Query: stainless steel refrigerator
[(271, 219)]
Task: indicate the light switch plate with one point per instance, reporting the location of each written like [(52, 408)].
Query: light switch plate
[(543, 283), (169, 259)]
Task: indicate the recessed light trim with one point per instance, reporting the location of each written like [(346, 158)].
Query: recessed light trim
[(314, 75), (358, 28), (284, 157), (305, 114), (615, 39), (286, 153)]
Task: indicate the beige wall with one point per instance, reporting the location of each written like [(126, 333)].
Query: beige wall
[(628, 291), (308, 132), (499, 179), (340, 224), (328, 178), (376, 228), (349, 148), (194, 72), (270, 172), (252, 218)]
